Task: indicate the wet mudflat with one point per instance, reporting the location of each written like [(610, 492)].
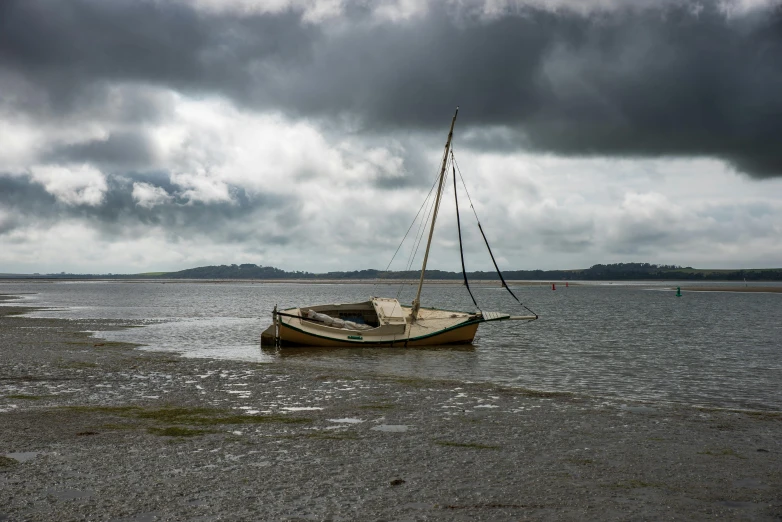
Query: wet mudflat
[(97, 430)]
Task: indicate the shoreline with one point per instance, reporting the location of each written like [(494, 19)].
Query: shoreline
[(477, 282), (715, 286), (93, 429), (741, 289)]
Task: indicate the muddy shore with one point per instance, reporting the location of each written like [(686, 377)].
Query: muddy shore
[(92, 430)]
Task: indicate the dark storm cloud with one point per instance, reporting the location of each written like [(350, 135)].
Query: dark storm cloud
[(118, 215), (16, 192), (68, 46), (673, 81)]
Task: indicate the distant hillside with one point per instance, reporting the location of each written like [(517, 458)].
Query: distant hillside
[(235, 272), (611, 272)]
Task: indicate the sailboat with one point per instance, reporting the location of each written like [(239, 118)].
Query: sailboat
[(384, 321)]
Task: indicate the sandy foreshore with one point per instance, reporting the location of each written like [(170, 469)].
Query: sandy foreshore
[(91, 430)]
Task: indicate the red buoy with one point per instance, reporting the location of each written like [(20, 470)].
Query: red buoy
[(565, 284), (553, 286)]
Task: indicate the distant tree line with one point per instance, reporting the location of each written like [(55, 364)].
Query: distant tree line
[(600, 272), (246, 271), (645, 271)]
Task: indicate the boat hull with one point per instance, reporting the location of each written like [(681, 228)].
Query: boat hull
[(461, 334), (379, 322)]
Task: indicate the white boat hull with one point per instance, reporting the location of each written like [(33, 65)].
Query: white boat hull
[(290, 335), (385, 323)]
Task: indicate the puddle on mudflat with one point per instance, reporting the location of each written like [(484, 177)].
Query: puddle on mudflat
[(301, 408), (346, 421), (68, 494), (23, 456), (750, 483), (737, 504), (142, 517), (392, 428)]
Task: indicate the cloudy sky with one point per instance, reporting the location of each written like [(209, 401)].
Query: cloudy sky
[(158, 135)]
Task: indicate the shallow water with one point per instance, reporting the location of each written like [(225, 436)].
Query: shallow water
[(621, 340), (23, 456)]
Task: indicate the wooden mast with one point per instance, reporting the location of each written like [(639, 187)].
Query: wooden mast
[(417, 300)]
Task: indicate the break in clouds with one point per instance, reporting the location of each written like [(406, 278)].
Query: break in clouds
[(303, 134)]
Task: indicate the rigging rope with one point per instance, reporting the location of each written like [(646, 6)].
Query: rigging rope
[(408, 230), (422, 225), (419, 236), (459, 228), (433, 210), (432, 213), (499, 273)]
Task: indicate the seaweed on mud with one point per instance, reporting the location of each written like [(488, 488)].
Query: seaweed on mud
[(332, 436), (470, 420), (261, 419), (189, 416), (377, 406), (7, 462), (213, 416), (177, 431), (178, 415), (13, 311), (765, 415), (76, 365), (471, 445), (168, 361), (114, 410), (34, 378), (633, 484), (727, 452), (757, 414), (412, 381), (327, 377), (724, 426), (111, 344), (25, 397), (581, 462), (492, 506), (115, 426), (545, 394)]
